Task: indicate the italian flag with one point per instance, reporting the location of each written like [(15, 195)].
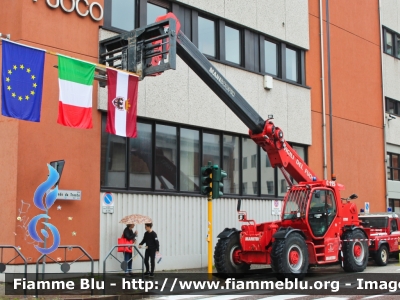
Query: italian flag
[(122, 103), (75, 78)]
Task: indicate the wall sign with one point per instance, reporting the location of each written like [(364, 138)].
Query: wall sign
[(108, 203), (70, 5), (367, 207), (276, 207), (69, 195)]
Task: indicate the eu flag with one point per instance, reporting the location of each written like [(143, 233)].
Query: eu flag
[(22, 81)]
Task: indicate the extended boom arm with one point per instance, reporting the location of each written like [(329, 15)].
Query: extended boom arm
[(264, 133)]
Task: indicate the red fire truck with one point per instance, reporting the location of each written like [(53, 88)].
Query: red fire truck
[(384, 234)]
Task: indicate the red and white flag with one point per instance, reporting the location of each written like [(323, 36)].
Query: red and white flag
[(122, 103)]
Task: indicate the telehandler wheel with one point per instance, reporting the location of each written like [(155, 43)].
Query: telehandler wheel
[(289, 257), (226, 256), (382, 256), (355, 251)]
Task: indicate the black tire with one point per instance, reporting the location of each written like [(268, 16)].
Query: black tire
[(289, 257), (382, 256), (223, 259), (355, 251)]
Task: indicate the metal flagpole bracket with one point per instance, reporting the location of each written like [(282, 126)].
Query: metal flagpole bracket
[(6, 36), (101, 77), (145, 51)]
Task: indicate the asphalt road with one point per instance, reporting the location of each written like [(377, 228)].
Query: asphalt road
[(324, 283)]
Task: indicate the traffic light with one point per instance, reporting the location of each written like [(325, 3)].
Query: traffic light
[(206, 173), (217, 176)]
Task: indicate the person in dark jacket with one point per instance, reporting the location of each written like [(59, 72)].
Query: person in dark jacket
[(129, 235), (152, 247)]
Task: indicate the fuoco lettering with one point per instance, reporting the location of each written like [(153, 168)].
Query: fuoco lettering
[(74, 5)]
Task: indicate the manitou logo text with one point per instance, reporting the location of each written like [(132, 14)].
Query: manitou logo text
[(222, 81), (252, 239)]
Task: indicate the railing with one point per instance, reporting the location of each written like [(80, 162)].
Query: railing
[(124, 264), (3, 266), (65, 267), (135, 50)]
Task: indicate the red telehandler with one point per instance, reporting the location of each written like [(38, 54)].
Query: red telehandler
[(317, 225)]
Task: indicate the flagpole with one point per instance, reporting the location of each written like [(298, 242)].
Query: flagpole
[(99, 67)]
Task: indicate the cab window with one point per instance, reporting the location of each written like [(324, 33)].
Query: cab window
[(322, 211)]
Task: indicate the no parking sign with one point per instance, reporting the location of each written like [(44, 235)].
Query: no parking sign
[(108, 203)]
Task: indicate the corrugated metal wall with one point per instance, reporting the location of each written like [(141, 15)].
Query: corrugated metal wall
[(180, 223)]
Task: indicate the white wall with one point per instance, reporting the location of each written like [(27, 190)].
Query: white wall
[(390, 14), (181, 96), (180, 223)]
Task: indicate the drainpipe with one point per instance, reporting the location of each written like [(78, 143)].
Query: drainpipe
[(385, 123), (328, 38), (321, 30)]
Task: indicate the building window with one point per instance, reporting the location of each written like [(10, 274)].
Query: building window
[(168, 158), (392, 106), (249, 149), (141, 157), (394, 167), (113, 159), (391, 42), (267, 176), (395, 205), (255, 187), (207, 36), (211, 149), (388, 42), (123, 14), (154, 11), (397, 46), (165, 158), (115, 162), (231, 157), (232, 45), (254, 160), (244, 188), (292, 70), (271, 57), (189, 160), (283, 185)]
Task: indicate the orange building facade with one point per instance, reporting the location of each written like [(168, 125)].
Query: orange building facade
[(26, 147), (356, 95)]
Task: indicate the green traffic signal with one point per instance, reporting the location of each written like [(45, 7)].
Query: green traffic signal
[(217, 176), (206, 173)]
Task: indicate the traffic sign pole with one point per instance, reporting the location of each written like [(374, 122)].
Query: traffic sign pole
[(209, 235)]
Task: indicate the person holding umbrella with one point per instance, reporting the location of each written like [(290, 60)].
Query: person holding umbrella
[(131, 236), (130, 222)]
